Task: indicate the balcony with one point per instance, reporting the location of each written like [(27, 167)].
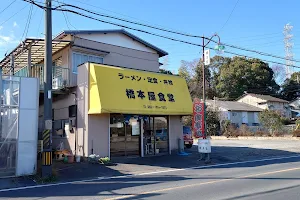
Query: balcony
[(60, 76)]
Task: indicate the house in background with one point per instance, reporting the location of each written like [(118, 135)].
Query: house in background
[(295, 108), (237, 112), (267, 102)]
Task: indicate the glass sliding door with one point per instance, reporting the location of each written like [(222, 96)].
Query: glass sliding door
[(124, 136), (161, 135), (133, 133), (117, 136), (149, 136), (156, 135)]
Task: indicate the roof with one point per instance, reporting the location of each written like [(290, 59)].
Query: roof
[(123, 31), (20, 53), (268, 98), (234, 106)]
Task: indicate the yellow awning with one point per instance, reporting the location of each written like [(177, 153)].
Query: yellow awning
[(119, 90)]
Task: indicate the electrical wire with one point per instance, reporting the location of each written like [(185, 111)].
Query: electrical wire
[(94, 6), (153, 27), (229, 15), (40, 22), (66, 18), (27, 23), (175, 32), (170, 38), (14, 14), (7, 7)]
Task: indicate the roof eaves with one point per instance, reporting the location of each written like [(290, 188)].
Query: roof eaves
[(161, 52)]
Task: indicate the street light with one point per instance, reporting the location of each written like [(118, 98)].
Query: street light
[(219, 48)]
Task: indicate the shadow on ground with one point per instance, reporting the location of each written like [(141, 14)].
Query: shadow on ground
[(133, 166)]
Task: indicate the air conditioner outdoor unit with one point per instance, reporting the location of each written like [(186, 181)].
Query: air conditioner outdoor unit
[(56, 83)]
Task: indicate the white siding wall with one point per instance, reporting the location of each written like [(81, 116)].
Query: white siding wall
[(117, 39)]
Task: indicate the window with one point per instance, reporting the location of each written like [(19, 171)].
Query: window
[(79, 58), (271, 107)]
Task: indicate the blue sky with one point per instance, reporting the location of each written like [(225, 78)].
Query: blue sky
[(255, 24)]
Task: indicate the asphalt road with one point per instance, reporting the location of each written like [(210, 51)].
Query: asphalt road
[(268, 179)]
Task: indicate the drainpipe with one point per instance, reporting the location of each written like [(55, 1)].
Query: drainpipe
[(29, 62), (75, 130)]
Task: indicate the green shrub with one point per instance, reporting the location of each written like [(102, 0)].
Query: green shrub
[(104, 160), (285, 120), (212, 122), (271, 120)]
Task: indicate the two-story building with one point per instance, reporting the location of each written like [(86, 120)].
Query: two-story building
[(267, 102), (108, 95)]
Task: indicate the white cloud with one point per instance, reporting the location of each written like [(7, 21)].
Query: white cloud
[(15, 24), (5, 38), (8, 40), (1, 27)]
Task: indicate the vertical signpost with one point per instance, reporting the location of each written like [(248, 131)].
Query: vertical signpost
[(198, 119), (199, 132)]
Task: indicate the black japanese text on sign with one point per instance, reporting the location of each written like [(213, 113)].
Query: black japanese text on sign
[(131, 94), (148, 79)]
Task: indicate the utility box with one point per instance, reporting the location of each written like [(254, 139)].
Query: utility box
[(204, 146)]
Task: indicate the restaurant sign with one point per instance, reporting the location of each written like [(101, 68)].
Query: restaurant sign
[(198, 122), (120, 90)]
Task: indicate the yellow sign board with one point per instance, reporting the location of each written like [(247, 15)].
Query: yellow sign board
[(120, 90)]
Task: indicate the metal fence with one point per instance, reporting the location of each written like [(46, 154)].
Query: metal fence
[(9, 108), (60, 75)]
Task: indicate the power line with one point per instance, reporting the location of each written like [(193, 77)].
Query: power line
[(174, 32), (94, 6), (128, 21), (149, 26), (38, 30), (7, 7), (158, 35), (229, 15), (66, 18), (13, 15), (27, 23)]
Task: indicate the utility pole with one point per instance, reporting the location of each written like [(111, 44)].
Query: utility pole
[(47, 134), (203, 84)]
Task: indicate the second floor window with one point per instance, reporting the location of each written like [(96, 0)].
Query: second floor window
[(79, 58)]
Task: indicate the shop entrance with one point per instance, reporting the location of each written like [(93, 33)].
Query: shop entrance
[(155, 135), (136, 135), (125, 134)]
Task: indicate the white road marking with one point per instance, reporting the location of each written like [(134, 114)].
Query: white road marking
[(146, 173)]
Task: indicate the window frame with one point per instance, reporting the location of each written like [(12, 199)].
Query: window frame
[(82, 54)]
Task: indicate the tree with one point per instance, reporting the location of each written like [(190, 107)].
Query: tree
[(271, 120), (291, 87), (242, 74), (192, 72), (212, 122), (164, 71), (229, 78)]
